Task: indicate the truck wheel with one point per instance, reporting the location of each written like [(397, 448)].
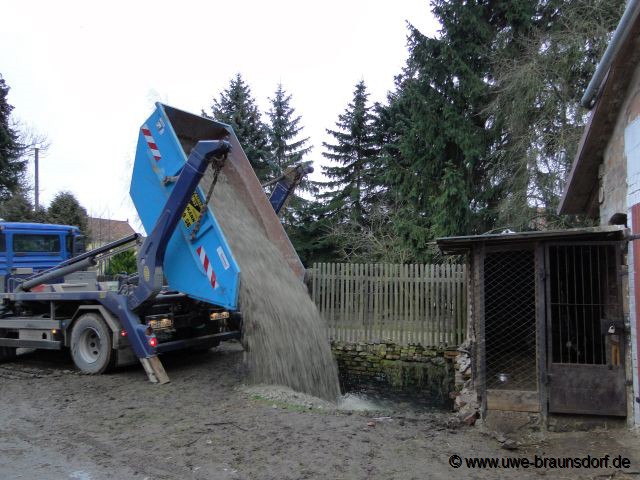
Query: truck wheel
[(91, 344)]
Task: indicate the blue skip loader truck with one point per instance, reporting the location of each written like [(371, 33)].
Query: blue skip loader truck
[(65, 307)]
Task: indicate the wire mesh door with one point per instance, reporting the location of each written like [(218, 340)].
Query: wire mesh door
[(510, 320), (585, 329)]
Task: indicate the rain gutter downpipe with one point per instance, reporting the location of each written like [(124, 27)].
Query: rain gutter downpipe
[(628, 17)]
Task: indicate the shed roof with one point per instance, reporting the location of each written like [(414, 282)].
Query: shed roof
[(457, 245), (580, 194)]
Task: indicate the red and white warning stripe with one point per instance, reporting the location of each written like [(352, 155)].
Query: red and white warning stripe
[(207, 266), (151, 142)]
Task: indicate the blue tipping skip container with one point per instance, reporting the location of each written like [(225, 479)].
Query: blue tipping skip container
[(203, 268)]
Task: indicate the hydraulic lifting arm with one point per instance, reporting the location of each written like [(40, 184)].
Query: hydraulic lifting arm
[(74, 264), (151, 254), (285, 185)]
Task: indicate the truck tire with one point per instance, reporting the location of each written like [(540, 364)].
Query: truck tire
[(91, 349)]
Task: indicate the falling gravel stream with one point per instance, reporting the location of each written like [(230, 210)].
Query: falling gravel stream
[(284, 333)]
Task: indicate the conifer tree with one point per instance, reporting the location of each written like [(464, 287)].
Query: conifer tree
[(12, 165), (284, 130), (482, 124), (440, 134), (287, 149), (348, 194), (18, 208), (537, 94), (237, 108), (65, 209), (310, 234)]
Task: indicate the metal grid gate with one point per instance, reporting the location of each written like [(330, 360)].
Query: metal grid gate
[(583, 293), (510, 320), (585, 330)]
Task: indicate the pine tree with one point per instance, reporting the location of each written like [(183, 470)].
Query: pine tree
[(310, 234), (284, 130), (538, 93), (237, 108), (349, 194), (18, 208), (482, 125), (440, 135), (12, 166), (65, 209), (287, 149)]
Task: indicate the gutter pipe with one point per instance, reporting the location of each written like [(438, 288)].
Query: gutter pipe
[(626, 22)]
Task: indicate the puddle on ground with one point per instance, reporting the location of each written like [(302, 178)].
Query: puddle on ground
[(358, 403), (363, 399), (375, 399)]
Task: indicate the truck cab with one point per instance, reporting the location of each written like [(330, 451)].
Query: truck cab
[(28, 248)]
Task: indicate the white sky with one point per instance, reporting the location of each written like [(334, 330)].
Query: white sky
[(86, 73)]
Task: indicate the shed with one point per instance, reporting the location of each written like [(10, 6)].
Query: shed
[(545, 320)]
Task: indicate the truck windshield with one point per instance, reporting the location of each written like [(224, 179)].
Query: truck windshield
[(36, 243)]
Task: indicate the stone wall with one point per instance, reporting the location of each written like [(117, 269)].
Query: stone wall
[(413, 369)]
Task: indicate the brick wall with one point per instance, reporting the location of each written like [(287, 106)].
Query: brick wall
[(612, 194), (619, 192)]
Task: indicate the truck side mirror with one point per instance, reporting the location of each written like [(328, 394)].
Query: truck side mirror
[(79, 246)]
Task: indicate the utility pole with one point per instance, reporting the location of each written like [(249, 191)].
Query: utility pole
[(36, 195)]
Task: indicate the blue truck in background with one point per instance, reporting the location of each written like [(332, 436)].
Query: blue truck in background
[(185, 291), (29, 248)]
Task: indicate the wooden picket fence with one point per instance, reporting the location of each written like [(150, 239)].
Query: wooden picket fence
[(405, 304)]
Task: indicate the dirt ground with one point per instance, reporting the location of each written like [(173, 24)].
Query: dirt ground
[(58, 424)]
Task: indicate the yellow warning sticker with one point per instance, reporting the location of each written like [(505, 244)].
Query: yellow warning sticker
[(192, 212), (146, 273)]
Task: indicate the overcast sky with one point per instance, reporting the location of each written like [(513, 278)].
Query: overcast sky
[(86, 74)]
